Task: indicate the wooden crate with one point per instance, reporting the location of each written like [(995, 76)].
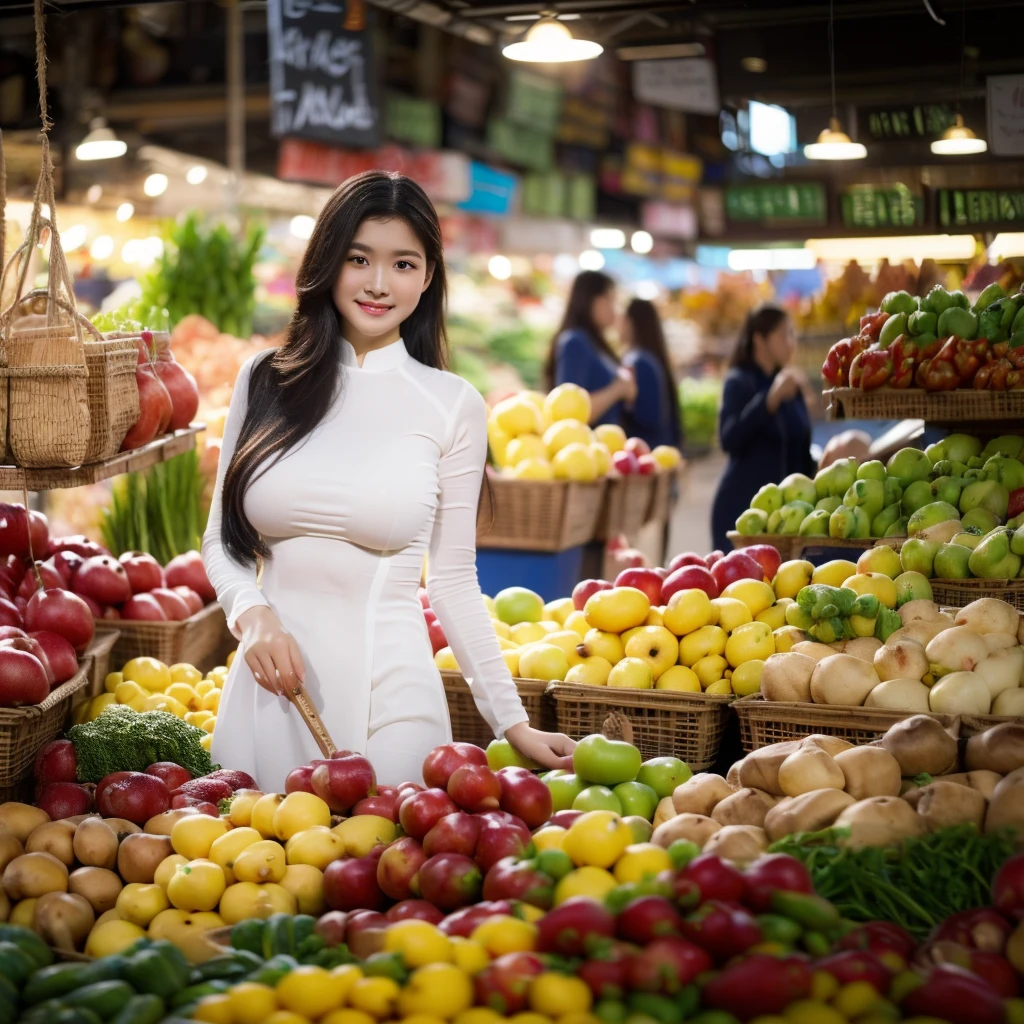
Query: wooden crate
[(198, 640), (960, 406), (957, 593), (664, 722), (764, 722), (538, 515), (468, 725)]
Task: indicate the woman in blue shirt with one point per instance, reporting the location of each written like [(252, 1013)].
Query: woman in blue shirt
[(580, 354), (654, 416)]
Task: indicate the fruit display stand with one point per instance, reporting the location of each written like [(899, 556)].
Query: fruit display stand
[(961, 406), (627, 505), (685, 725), (789, 546), (763, 722), (100, 651), (468, 725), (958, 593)]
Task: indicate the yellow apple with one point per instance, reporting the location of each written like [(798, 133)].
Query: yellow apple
[(512, 660), (567, 402), (559, 610), (611, 435), (748, 642), (525, 446), (445, 660), (679, 677), (731, 613), (710, 669), (656, 645), (577, 621), (543, 661), (755, 594), (876, 583), (655, 617), (786, 636), (687, 610), (700, 643), (618, 609), (723, 687), (526, 632), (793, 576), (774, 616), (597, 643), (533, 469), (517, 415), (501, 629), (666, 456), (589, 671), (575, 462), (537, 397), (566, 640), (832, 574), (746, 678), (566, 432), (632, 674)]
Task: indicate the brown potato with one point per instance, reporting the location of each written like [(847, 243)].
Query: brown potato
[(740, 844), (696, 827), (56, 837), (869, 771), (21, 820), (96, 844), (1006, 808), (63, 919), (832, 745), (744, 807), (700, 794), (33, 874), (879, 821), (810, 812), (998, 749), (97, 885), (943, 804), (921, 746), (760, 769), (808, 769)]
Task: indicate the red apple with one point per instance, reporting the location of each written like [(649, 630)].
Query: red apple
[(475, 788), (690, 577), (713, 557), (442, 761), (463, 922), (342, 782), (525, 795), (499, 841), (298, 780), (64, 800), (637, 445), (187, 570), (137, 798), (383, 806), (648, 465), (434, 631), (766, 556), (514, 879), (503, 819), (174, 605), (56, 762), (14, 530), (23, 679), (630, 558), (191, 598), (398, 867), (684, 559), (422, 811), (39, 527), (103, 579), (582, 591), (457, 832), (450, 881), (563, 819), (572, 927), (9, 614), (31, 646), (331, 927), (98, 611), (667, 965), (608, 975), (79, 544), (645, 580), (736, 566), (647, 918), (47, 573), (59, 653), (626, 463), (143, 570), (172, 774), (351, 884), (144, 607), (406, 790), (414, 910), (10, 632), (504, 985)]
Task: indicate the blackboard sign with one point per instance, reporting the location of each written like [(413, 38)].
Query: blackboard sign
[(892, 206), (796, 203), (977, 208), (322, 71)]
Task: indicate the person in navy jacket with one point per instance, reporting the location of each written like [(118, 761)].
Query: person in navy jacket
[(581, 355)]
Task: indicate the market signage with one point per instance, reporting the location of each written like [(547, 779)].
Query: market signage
[(690, 84), (412, 120), (1006, 115), (560, 195), (323, 72), (869, 207), (913, 121), (782, 203), (977, 208), (490, 191)]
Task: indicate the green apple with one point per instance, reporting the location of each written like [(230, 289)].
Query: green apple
[(1017, 540), (636, 798), (872, 470), (916, 494), (829, 503), (993, 559), (951, 562), (681, 852), (867, 494), (960, 447), (948, 488), (641, 828), (932, 514), (597, 798), (1009, 472), (501, 754), (792, 514), (918, 555), (604, 761), (849, 521), (815, 524), (986, 494), (752, 523), (564, 789), (768, 498), (912, 586), (663, 774), (908, 465), (517, 604), (797, 487), (1005, 444), (895, 303), (886, 520), (979, 520), (554, 863)]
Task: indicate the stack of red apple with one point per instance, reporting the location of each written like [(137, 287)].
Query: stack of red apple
[(458, 828), (635, 458), (168, 395)]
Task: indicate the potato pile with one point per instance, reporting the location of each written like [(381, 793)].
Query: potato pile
[(970, 663), (917, 778)]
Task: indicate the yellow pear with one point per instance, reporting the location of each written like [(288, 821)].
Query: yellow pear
[(591, 671), (567, 402), (525, 446), (611, 435), (597, 643), (618, 609), (686, 611), (566, 432), (575, 461), (543, 661), (577, 622), (656, 646), (567, 640), (678, 677)]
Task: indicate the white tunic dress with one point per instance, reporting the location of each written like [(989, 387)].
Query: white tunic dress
[(348, 515)]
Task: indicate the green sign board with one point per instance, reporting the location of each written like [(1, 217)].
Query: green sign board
[(782, 203), (559, 195), (411, 120), (534, 101), (918, 121), (865, 206), (521, 146), (977, 208)]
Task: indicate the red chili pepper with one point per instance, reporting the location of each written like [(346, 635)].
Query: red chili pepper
[(871, 325), (992, 376), (1015, 380), (856, 370), (1000, 348)]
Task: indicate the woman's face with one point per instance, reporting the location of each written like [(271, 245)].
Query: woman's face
[(779, 346), (384, 274), (602, 310)]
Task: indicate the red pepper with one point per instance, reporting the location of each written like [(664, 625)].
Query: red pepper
[(1015, 380), (1000, 348), (941, 374), (904, 359), (871, 325), (992, 376), (1016, 357), (969, 356), (836, 367), (876, 368), (856, 370)]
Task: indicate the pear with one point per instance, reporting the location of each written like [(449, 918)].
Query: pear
[(957, 649), (808, 769), (842, 679), (904, 659), (988, 615)]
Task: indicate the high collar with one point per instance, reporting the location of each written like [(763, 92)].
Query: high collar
[(378, 360)]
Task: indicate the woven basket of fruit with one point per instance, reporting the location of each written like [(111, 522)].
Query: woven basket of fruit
[(468, 725), (686, 725), (665, 481), (958, 593), (957, 406), (789, 546), (196, 640), (99, 652), (627, 505)]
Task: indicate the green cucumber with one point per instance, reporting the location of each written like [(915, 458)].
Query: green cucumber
[(59, 979), (15, 964), (29, 942), (194, 993), (147, 1009), (104, 998)]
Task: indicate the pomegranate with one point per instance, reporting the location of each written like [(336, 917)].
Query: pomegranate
[(23, 679), (79, 544), (191, 598), (10, 632), (187, 570), (104, 579), (14, 527), (64, 800), (143, 606), (182, 388), (136, 796), (173, 604), (39, 528), (33, 647), (67, 563), (144, 571), (154, 409), (47, 573), (9, 614), (63, 613), (111, 614), (96, 610), (56, 762), (59, 653)]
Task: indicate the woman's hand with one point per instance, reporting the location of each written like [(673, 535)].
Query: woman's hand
[(785, 386), (271, 652), (625, 380), (855, 443), (550, 749)]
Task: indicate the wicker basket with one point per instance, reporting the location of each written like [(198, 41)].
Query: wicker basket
[(627, 505), (198, 640), (468, 725), (763, 722), (666, 481), (664, 722), (971, 725), (24, 731), (795, 547), (961, 405), (538, 515), (112, 392), (99, 651), (957, 593)]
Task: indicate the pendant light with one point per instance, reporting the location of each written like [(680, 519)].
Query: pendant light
[(958, 139), (549, 42), (101, 143), (833, 143)]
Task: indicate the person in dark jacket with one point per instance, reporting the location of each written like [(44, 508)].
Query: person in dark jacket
[(654, 415), (763, 424), (581, 355)]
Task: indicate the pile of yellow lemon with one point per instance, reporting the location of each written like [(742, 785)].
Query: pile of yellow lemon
[(145, 684), (547, 437)]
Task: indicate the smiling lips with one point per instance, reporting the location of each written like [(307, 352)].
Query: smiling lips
[(374, 308)]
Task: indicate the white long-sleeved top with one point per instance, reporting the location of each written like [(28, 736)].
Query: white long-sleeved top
[(394, 469)]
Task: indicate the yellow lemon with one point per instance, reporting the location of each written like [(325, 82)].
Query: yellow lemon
[(364, 832), (316, 846), (444, 659), (701, 643), (111, 937), (348, 1017), (112, 681), (550, 837), (876, 583), (149, 673), (730, 612), (563, 433), (525, 446), (500, 629), (543, 661), (589, 881), (786, 637), (502, 934), (251, 1003), (640, 861), (166, 868), (206, 741), (211, 701), (511, 659), (524, 633), (247, 899), (667, 456), (577, 622), (611, 435), (183, 673), (348, 974), (469, 956), (242, 804), (556, 994), (126, 691), (261, 862), (617, 610), (218, 675), (376, 996), (261, 816), (809, 1011), (722, 687), (306, 884), (597, 838), (746, 678), (197, 885), (751, 641), (533, 469), (593, 671), (678, 677), (310, 991), (99, 704), (214, 1010), (441, 990), (228, 846), (184, 694), (194, 835), (575, 462), (656, 616), (774, 616), (686, 611), (286, 1017), (516, 416), (537, 397), (138, 903), (419, 942), (169, 704), (197, 718), (755, 594), (299, 811), (602, 458), (567, 402), (479, 1015), (710, 669), (204, 687), (832, 574), (567, 640), (230, 658)]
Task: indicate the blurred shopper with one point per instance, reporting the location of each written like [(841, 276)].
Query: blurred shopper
[(580, 353), (654, 415)]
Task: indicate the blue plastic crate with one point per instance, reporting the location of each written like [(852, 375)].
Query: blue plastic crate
[(550, 574)]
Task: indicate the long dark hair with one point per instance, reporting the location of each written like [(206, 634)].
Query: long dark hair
[(762, 320), (579, 315), (647, 334), (291, 392)]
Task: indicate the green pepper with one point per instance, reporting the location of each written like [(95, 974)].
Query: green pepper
[(805, 908), (989, 296), (776, 928), (828, 631), (887, 623), (866, 605)]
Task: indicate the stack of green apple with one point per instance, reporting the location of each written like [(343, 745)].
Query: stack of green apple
[(608, 775), (959, 476)]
